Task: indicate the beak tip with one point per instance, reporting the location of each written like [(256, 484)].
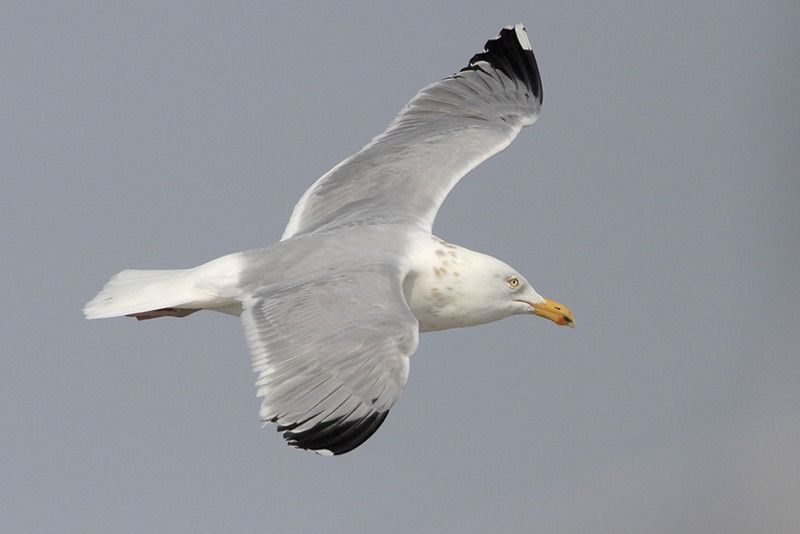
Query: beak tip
[(566, 321), (558, 313)]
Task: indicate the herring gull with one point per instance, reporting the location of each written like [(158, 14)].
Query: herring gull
[(332, 312)]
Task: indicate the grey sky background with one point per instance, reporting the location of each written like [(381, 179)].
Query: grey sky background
[(658, 196)]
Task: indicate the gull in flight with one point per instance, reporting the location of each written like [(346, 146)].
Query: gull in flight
[(332, 312)]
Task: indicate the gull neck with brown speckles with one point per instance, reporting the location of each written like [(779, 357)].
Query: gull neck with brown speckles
[(451, 286)]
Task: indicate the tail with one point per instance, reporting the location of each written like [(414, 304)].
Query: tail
[(147, 294), (136, 291)]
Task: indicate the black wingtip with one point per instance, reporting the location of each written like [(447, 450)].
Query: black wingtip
[(336, 436), (511, 53)]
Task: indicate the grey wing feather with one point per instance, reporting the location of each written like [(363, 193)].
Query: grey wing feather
[(403, 175), (331, 354)]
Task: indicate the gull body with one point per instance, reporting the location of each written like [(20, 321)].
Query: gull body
[(332, 312), (445, 285)]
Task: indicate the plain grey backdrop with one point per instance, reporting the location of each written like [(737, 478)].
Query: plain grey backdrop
[(658, 196)]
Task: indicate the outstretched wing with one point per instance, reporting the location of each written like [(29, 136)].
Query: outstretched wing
[(446, 130), (331, 354)]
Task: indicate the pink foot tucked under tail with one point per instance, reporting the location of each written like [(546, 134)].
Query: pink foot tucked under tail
[(163, 312)]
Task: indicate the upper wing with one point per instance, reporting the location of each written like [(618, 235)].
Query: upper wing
[(331, 354), (446, 130)]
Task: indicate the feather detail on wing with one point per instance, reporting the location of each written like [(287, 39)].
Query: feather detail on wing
[(403, 175), (331, 355)]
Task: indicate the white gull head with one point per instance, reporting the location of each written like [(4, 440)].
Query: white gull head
[(451, 287)]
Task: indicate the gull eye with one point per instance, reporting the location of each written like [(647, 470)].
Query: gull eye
[(513, 282)]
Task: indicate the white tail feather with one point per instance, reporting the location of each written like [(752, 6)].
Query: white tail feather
[(136, 291)]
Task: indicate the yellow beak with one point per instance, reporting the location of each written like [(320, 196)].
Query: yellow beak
[(558, 313)]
